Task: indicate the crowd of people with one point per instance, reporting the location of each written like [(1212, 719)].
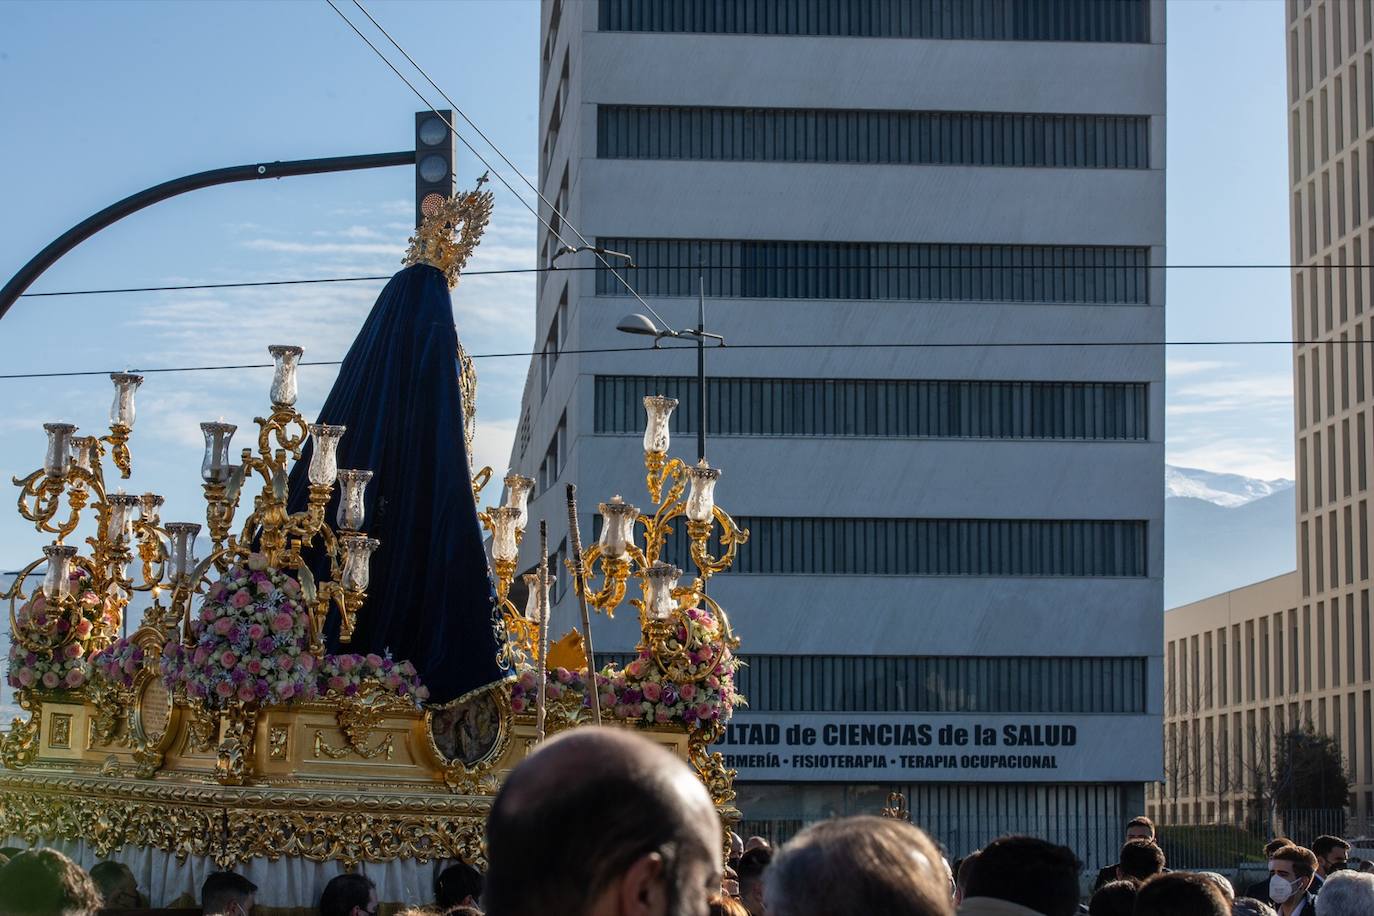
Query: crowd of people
[(603, 822)]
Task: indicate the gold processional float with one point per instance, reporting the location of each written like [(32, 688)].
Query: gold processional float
[(222, 733)]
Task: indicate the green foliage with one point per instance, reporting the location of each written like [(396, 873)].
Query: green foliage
[(1309, 772)]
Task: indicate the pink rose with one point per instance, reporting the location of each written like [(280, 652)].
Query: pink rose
[(393, 681), (241, 598), (256, 632), (83, 629), (224, 689), (335, 683), (228, 659), (422, 693), (347, 663), (285, 663), (564, 676), (517, 704), (72, 650), (50, 679), (201, 656), (75, 678), (307, 662), (247, 694), (223, 626), (663, 714), (26, 677), (207, 614), (653, 692), (687, 691), (706, 711), (254, 666), (286, 690), (282, 622), (635, 668), (90, 599), (374, 659)]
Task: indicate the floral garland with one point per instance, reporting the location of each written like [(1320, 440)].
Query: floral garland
[(250, 641), (67, 667), (346, 674), (642, 692), (117, 664)]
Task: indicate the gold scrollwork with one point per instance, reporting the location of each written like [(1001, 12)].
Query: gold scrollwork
[(474, 776), (277, 739)]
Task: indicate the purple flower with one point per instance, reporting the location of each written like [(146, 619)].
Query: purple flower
[(266, 645)]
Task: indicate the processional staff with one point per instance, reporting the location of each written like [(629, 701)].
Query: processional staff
[(580, 587), (542, 668)]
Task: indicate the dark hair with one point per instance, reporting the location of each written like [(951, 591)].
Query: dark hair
[(583, 776), (43, 882), (1028, 871), (456, 884), (964, 868), (1276, 844), (1323, 845), (107, 877), (751, 867), (1141, 821), (1140, 859), (344, 892), (222, 888), (1115, 898), (1180, 894), (1304, 863), (1249, 906), (859, 866)]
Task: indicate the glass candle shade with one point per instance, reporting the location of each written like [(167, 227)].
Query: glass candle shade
[(352, 512), (617, 528), (57, 583), (324, 462), (701, 499), (150, 508), (285, 359), (83, 452), (122, 507), (503, 545), (357, 561), (532, 608), (215, 467), (660, 411), (122, 410), (183, 538), (660, 580), (518, 491), (59, 448)]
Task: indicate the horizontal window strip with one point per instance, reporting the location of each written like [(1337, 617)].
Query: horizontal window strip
[(889, 408), (987, 20), (895, 137), (988, 548), (939, 684), (743, 269)]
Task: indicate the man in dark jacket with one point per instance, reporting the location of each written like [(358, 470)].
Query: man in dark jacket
[(1139, 828)]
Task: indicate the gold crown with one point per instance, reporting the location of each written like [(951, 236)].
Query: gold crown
[(450, 230)]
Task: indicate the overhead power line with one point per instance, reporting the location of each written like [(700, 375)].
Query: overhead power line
[(932, 345)]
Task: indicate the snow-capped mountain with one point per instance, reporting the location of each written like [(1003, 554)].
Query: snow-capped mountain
[(1226, 490)]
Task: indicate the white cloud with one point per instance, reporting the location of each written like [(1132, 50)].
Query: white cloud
[(1177, 367), (1257, 457)]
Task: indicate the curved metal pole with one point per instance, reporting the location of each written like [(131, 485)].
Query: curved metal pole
[(149, 196)]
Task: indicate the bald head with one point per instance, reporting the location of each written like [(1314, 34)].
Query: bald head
[(610, 818)]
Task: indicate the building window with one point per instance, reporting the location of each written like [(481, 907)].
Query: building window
[(892, 137), (741, 269), (881, 408), (552, 465), (930, 547), (986, 20)]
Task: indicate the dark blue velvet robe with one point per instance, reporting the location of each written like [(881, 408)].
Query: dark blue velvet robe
[(431, 598)]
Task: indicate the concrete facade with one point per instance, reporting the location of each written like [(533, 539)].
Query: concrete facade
[(894, 618)]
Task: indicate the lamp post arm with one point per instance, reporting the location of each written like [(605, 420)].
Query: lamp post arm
[(88, 227)]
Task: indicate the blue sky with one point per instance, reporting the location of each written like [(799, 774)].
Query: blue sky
[(98, 100)]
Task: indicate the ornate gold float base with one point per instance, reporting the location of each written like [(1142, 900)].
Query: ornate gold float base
[(363, 780)]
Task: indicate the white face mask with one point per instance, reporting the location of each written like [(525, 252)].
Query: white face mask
[(1279, 889)]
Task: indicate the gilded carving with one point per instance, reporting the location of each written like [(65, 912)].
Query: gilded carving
[(277, 738), (61, 736), (19, 748), (204, 728)]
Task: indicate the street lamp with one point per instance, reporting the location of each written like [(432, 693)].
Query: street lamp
[(639, 324)]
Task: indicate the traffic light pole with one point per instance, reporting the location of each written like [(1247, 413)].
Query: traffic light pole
[(88, 227)]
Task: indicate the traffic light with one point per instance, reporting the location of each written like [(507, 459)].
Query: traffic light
[(436, 174)]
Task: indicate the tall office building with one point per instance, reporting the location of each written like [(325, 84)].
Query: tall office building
[(1300, 644), (952, 584)]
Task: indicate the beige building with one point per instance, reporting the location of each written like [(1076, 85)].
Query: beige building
[(1296, 649)]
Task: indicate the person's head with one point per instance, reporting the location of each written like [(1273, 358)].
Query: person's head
[(660, 853), (456, 885), (855, 866), (1140, 828), (1249, 906), (1180, 894), (1332, 852), (227, 894), (1276, 844), (1116, 898), (464, 910), (1290, 872), (961, 875), (1222, 884), (1028, 871), (349, 895), (736, 845), (1347, 893), (1139, 859), (727, 906), (757, 842), (749, 873), (44, 882), (117, 885)]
